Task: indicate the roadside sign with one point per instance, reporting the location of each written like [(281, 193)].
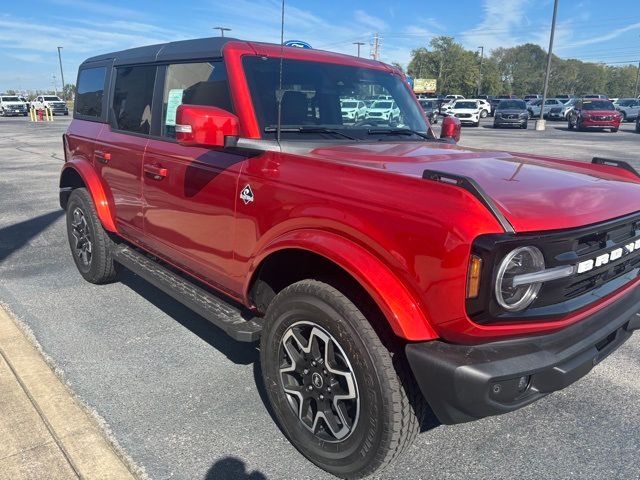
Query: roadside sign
[(425, 85)]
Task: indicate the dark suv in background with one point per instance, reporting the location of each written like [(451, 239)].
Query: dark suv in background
[(511, 113)]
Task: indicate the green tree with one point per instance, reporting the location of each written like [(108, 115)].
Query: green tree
[(69, 91), (455, 68)]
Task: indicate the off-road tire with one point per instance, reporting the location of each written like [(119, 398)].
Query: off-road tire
[(101, 268), (391, 406)]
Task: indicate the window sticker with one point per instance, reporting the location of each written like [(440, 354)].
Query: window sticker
[(173, 102)]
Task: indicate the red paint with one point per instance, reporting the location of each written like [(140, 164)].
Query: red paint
[(209, 126), (363, 206)]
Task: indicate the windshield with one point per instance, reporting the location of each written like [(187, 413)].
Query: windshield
[(312, 93), (472, 105), (426, 103), (512, 105), (52, 99), (597, 105), (10, 99), (349, 104)]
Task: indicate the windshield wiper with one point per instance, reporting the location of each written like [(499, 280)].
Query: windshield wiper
[(272, 129), (397, 131)]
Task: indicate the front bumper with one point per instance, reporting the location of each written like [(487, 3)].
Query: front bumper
[(464, 383), (510, 122), (600, 123)]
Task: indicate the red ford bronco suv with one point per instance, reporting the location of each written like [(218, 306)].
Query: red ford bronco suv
[(383, 269)]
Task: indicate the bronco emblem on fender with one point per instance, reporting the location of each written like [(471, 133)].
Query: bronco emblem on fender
[(246, 195)]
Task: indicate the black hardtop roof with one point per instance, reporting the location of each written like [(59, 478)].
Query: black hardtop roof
[(197, 48)]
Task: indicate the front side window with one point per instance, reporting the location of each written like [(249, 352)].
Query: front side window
[(314, 94), (132, 98), (90, 91), (202, 83)]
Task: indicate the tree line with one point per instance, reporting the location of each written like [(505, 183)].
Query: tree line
[(517, 71)]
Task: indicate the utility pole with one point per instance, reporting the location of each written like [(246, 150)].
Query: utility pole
[(541, 124), (222, 30), (480, 75), (637, 81), (359, 44), (61, 73), (376, 47)]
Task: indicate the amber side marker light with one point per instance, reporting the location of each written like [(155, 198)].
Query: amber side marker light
[(473, 276)]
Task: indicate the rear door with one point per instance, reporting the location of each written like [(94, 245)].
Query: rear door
[(190, 192), (120, 147)]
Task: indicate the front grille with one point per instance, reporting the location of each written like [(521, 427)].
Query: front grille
[(463, 115), (375, 114), (510, 116), (603, 118), (559, 298)]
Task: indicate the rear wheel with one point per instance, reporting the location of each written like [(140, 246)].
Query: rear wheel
[(484, 114), (339, 394), (89, 242)]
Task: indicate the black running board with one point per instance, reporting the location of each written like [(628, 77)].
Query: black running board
[(238, 323)]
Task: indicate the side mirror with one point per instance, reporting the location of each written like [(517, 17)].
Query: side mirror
[(203, 126), (451, 127)]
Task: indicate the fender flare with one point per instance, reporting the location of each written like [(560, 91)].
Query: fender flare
[(399, 305), (96, 190)]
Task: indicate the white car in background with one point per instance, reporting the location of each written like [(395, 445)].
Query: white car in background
[(12, 105), (467, 111), (629, 108), (385, 111), (353, 110), (55, 103), (484, 105), (549, 103)]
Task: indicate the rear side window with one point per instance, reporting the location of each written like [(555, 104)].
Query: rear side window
[(132, 98), (203, 83), (90, 92)]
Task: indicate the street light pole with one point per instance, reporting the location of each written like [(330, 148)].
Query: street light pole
[(637, 81), (61, 73), (359, 44), (222, 30), (480, 75), (540, 124)]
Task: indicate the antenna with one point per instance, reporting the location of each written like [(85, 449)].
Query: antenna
[(280, 93)]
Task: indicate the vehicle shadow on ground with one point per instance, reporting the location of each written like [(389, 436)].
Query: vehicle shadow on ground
[(240, 353), (232, 468), (15, 237)]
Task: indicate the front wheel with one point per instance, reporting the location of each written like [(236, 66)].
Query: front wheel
[(90, 244), (614, 130), (340, 395)]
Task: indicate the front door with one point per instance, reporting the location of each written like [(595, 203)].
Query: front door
[(189, 192)]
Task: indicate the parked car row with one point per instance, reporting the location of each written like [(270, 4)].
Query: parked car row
[(370, 109), (13, 105)]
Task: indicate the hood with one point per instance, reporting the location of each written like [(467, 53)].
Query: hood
[(533, 193), (600, 112)]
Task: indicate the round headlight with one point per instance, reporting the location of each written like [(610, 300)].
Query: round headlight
[(520, 261)]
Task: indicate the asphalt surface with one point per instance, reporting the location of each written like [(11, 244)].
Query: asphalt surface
[(186, 402)]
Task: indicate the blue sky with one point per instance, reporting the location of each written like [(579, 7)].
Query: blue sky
[(30, 30)]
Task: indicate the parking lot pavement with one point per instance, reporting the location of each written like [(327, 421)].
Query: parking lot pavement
[(557, 140), (185, 402)]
